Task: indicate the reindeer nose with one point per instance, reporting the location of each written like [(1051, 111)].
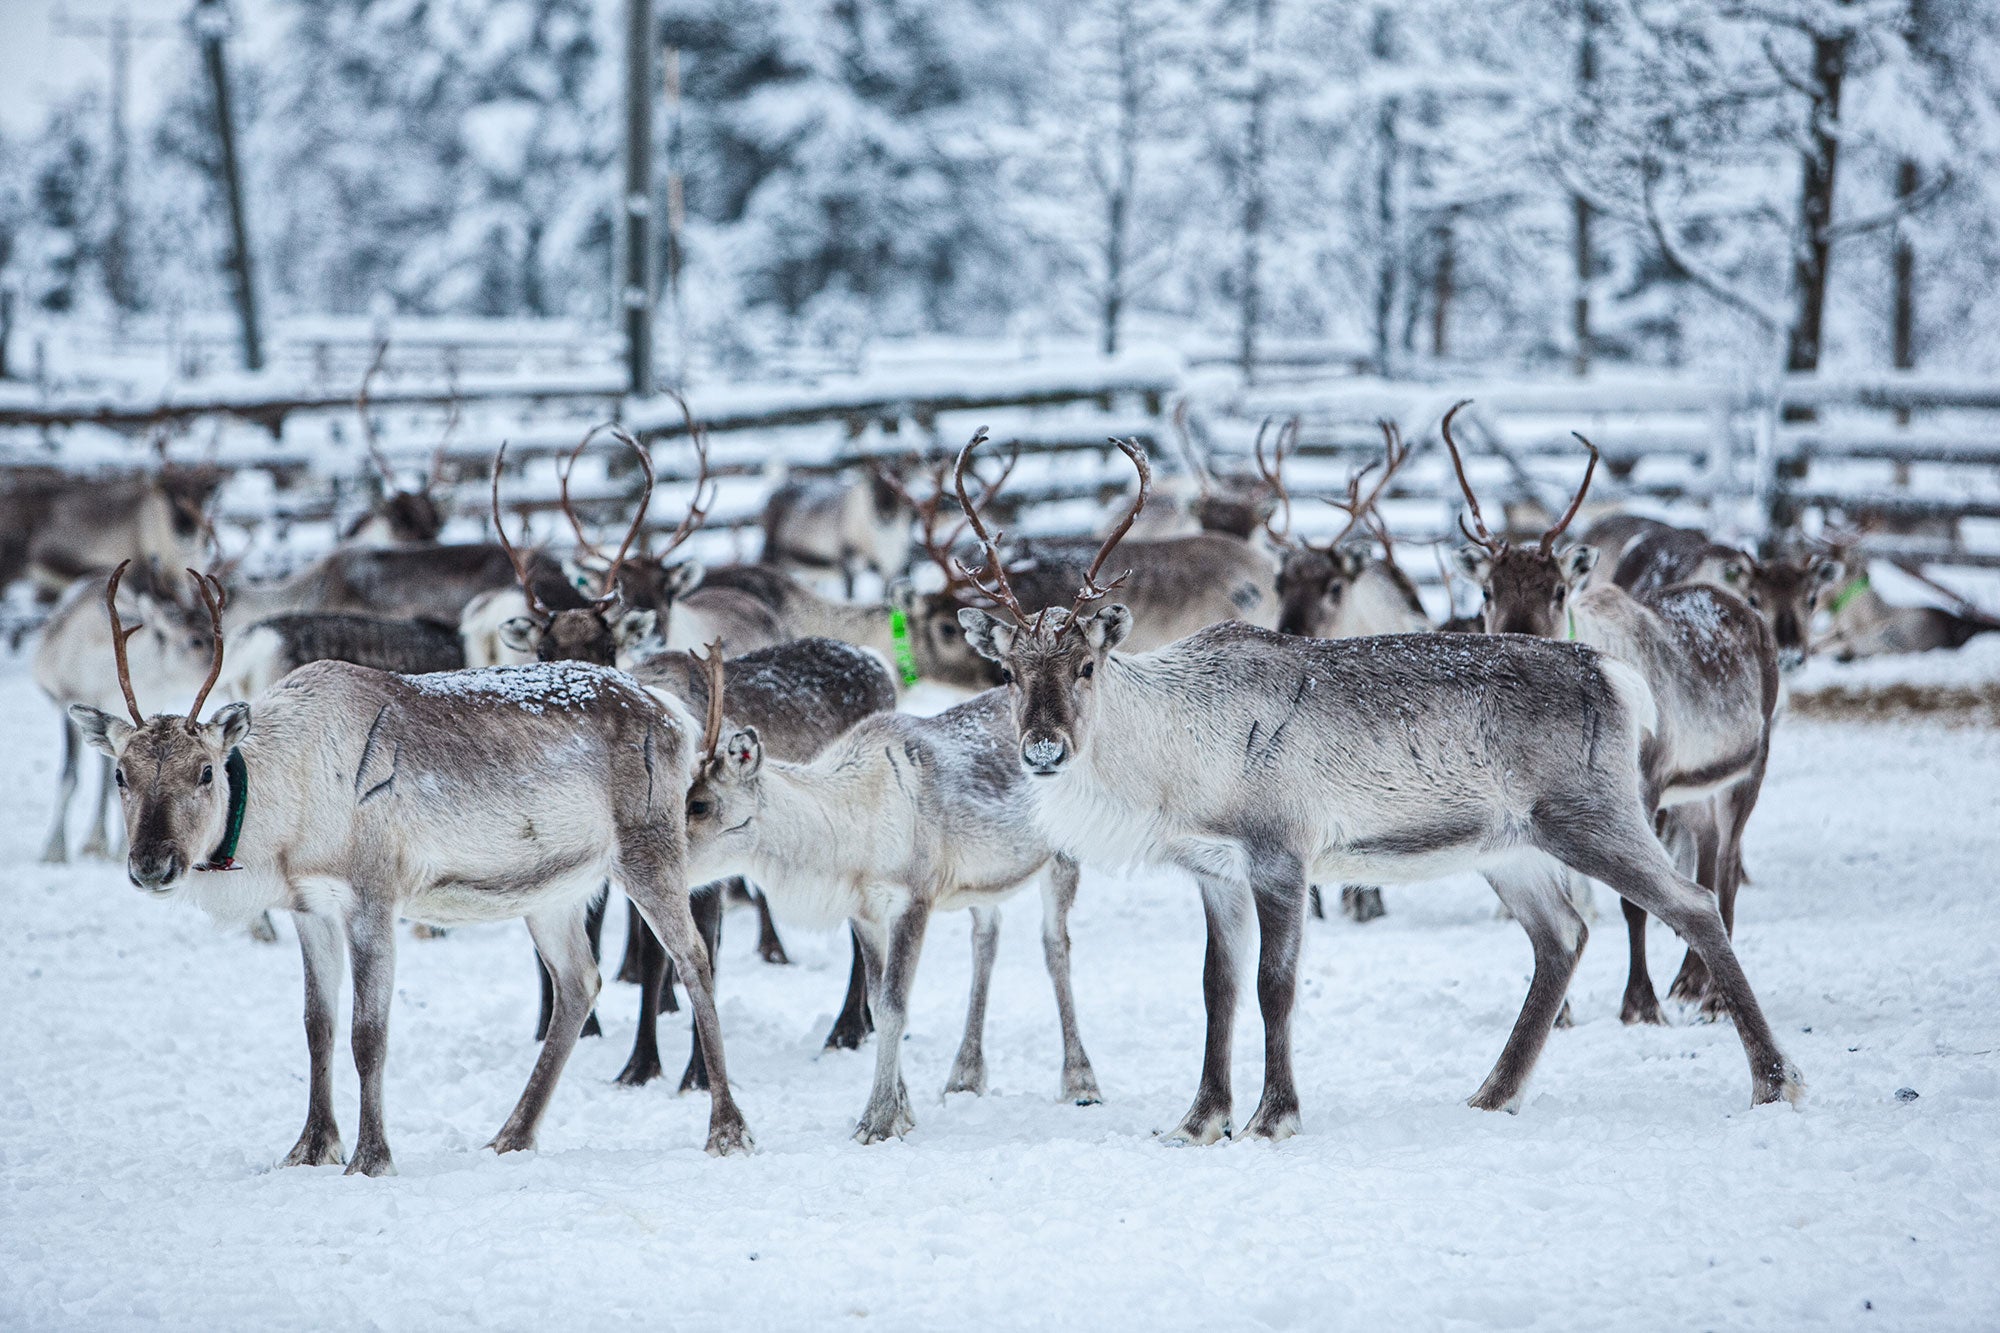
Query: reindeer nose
[(154, 870), (1044, 755), (1791, 659)]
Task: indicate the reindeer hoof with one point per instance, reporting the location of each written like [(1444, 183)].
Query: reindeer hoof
[(1641, 1009), (262, 930), (876, 1127), (371, 1162), (1490, 1099), (1564, 1019), (638, 1072), (1788, 1085), (774, 954), (846, 1036), (1198, 1130), (1081, 1089), (316, 1148), (967, 1076), (512, 1140), (729, 1138), (1274, 1128)]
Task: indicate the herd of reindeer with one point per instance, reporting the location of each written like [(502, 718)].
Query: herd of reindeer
[(458, 733)]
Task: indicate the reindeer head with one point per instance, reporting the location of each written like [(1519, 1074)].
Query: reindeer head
[(723, 801), (937, 640), (1313, 581), (609, 624), (405, 515), (168, 769), (1786, 590), (1527, 588), (1049, 661), (1237, 505)]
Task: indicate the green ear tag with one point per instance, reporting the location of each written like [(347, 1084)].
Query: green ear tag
[(1854, 589), (906, 661)]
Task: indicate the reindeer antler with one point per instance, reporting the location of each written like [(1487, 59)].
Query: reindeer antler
[(1359, 508), (435, 473), (1091, 590), (213, 596), (368, 427), (929, 513), (624, 437), (698, 508), (1479, 535), (119, 634), (513, 557), (1000, 590), (1273, 475), (1576, 503), (711, 733)]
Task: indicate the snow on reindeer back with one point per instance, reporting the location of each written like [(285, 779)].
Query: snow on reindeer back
[(535, 687)]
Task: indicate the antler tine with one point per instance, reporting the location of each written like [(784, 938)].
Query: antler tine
[(1091, 590), (1576, 503), (1190, 455), (119, 634), (711, 732), (562, 479), (368, 427), (1000, 590), (698, 508), (213, 595), (1482, 537), (1394, 454), (513, 556), (625, 438), (1273, 475), (435, 473)]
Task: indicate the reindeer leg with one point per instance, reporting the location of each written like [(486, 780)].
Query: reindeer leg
[(1642, 1004), (1538, 897), (643, 1065), (1363, 902), (593, 929), (102, 843), (710, 905), (1208, 1119), (371, 944), (1079, 1083), (968, 1071), (319, 945), (1280, 928), (888, 1112), (56, 851), (1634, 864), (664, 902), (564, 943), (854, 1023), (629, 965), (769, 947), (1706, 834)]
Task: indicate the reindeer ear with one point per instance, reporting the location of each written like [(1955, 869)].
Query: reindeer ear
[(230, 727), (1577, 562), (683, 578), (1825, 571), (990, 638), (634, 628), (521, 634), (1107, 628), (1350, 561), (742, 754), (101, 731), (903, 596), (1476, 563)]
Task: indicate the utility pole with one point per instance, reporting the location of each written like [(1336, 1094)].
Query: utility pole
[(676, 213), (1253, 190), (211, 28), (636, 281), (1586, 76), (119, 31)]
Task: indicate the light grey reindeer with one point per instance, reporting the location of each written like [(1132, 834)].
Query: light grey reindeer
[(1257, 761), (1711, 665), (934, 813), (462, 797), (169, 654), (846, 523)]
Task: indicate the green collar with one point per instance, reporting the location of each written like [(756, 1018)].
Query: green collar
[(1855, 587), (899, 631), (237, 774)]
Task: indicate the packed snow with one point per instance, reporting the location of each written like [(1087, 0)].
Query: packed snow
[(153, 1071)]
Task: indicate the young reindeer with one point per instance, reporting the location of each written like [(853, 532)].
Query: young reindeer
[(935, 814), (1258, 761), (1711, 666), (469, 796)]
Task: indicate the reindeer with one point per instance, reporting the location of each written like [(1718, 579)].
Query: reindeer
[(844, 523), (1257, 761), (934, 815), (1337, 589), (1711, 665), (404, 515), (170, 652), (800, 696), (462, 797), (1203, 502), (1785, 589), (271, 649), (87, 525)]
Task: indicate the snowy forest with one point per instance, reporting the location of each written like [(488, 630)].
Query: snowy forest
[(1398, 187)]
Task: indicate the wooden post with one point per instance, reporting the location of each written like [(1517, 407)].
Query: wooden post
[(211, 24), (635, 281), (1253, 191), (676, 214), (1586, 75)]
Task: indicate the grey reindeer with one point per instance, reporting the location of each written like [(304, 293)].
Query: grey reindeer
[(1711, 665), (463, 797), (1256, 761)]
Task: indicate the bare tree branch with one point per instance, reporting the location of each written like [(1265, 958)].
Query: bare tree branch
[(1929, 194), (1693, 270)]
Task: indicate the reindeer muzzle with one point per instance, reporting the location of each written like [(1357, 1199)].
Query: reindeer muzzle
[(1044, 756), (155, 872)]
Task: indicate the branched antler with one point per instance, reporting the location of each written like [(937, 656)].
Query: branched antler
[(513, 557), (368, 436), (1576, 503), (213, 596), (609, 586), (119, 634), (1274, 477), (929, 514), (1091, 590), (435, 473), (1357, 507), (1478, 534), (698, 508), (1000, 591)]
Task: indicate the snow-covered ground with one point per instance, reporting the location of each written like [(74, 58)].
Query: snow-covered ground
[(153, 1070)]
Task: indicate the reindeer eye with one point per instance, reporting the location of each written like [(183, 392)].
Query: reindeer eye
[(699, 809), (1088, 670), (207, 774), (118, 776), (1006, 676)]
